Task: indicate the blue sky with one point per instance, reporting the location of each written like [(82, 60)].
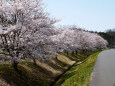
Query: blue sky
[(96, 15)]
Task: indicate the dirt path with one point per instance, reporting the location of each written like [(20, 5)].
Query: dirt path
[(104, 71)]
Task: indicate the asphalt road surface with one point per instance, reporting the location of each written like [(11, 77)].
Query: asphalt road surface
[(104, 70)]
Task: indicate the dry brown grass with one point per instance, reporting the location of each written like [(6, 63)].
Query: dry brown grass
[(3, 82), (44, 73)]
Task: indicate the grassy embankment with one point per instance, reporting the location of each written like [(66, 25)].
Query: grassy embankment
[(79, 75), (44, 73)]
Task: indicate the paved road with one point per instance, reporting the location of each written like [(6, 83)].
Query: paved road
[(104, 71)]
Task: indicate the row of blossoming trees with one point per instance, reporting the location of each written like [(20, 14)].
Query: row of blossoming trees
[(26, 31)]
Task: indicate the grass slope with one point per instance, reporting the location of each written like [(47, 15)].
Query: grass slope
[(44, 73), (79, 75), (30, 75)]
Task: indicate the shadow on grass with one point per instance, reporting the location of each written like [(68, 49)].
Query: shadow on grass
[(15, 78), (23, 77), (67, 75), (37, 68), (61, 63), (58, 65), (75, 57)]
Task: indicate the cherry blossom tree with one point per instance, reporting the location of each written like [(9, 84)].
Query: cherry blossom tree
[(72, 39), (24, 27), (26, 31)]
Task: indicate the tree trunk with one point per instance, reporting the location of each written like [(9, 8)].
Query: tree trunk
[(73, 53), (76, 52), (56, 57), (15, 65), (34, 61), (67, 53)]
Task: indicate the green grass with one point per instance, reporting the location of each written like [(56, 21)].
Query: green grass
[(79, 75), (24, 76), (30, 75), (42, 75)]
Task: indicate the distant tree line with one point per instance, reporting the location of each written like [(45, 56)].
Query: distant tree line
[(109, 35)]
